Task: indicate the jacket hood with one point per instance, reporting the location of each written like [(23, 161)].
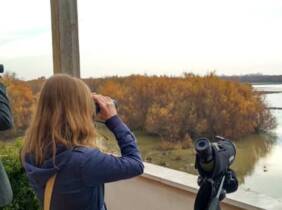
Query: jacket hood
[(41, 174)]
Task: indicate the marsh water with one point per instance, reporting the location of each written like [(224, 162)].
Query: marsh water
[(265, 155), (259, 157)]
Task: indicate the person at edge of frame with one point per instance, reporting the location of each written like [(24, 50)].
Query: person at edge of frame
[(6, 122)]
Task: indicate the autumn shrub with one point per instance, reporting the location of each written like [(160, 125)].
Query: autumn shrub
[(21, 101), (176, 107)]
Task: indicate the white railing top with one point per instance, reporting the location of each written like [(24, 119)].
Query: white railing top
[(181, 180)]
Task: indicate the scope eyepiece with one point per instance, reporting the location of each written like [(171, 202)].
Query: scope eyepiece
[(1, 68), (203, 148)]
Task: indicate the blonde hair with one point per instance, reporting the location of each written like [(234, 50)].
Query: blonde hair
[(64, 115)]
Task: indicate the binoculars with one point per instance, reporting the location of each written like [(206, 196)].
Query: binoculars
[(98, 109)]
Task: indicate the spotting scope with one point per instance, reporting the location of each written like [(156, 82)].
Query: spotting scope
[(213, 161)]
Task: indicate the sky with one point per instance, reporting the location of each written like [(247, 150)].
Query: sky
[(148, 37)]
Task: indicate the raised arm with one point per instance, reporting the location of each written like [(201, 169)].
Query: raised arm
[(101, 168)]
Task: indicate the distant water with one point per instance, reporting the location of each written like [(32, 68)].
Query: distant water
[(274, 99), (266, 176), (270, 87)]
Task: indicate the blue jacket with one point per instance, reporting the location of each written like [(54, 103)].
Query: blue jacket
[(82, 172)]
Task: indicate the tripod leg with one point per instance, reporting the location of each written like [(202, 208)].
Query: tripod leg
[(214, 204)]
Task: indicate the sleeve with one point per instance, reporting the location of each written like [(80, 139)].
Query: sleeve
[(6, 194), (102, 168), (6, 121)]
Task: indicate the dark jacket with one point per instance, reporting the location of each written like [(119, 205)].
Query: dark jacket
[(6, 122), (82, 172)]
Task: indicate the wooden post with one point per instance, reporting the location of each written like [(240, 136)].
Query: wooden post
[(65, 37)]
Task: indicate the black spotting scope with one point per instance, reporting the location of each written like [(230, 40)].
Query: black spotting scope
[(213, 161)]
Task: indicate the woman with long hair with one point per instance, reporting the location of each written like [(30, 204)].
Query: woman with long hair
[(61, 141)]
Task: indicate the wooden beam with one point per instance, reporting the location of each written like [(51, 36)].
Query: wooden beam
[(65, 37)]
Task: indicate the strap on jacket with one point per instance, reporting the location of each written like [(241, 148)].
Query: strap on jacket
[(48, 192)]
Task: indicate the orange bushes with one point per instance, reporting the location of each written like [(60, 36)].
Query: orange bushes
[(180, 108), (175, 108), (21, 100)]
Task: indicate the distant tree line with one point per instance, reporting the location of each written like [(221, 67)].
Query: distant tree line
[(181, 108), (255, 78), (175, 108)]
